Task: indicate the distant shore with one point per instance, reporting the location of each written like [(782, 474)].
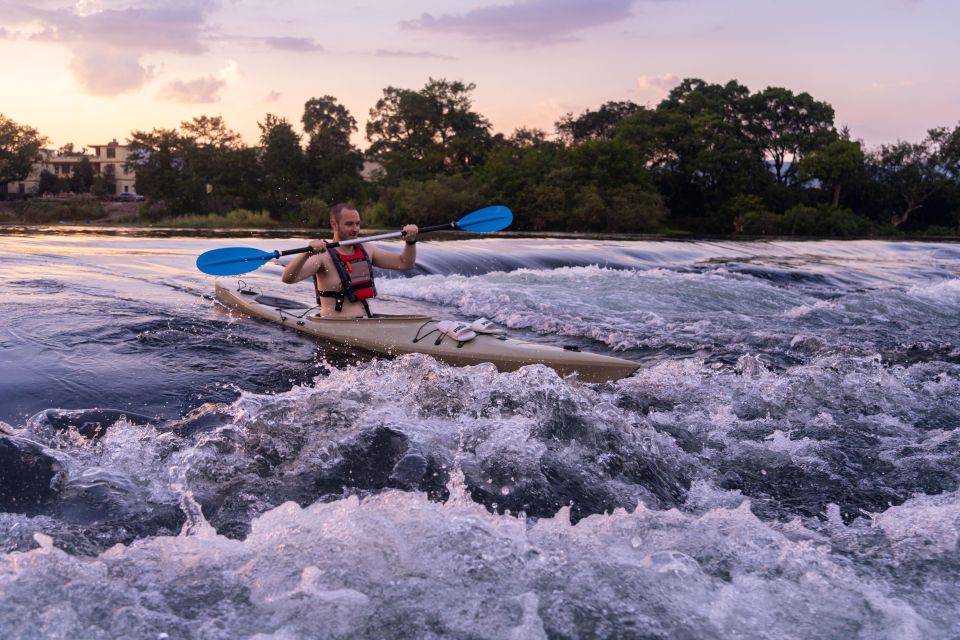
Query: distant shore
[(97, 216)]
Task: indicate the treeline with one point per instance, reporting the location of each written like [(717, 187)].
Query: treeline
[(709, 158)]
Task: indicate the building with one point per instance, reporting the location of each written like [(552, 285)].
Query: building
[(104, 158)]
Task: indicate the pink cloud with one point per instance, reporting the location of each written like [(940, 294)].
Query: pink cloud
[(196, 91), (526, 21)]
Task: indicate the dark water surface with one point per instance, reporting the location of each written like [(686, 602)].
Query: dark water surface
[(783, 465)]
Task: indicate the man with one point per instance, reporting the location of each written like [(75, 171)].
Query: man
[(343, 277)]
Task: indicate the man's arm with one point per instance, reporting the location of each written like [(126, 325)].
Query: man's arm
[(406, 259), (304, 265)]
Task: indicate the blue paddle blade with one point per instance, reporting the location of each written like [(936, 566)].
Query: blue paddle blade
[(486, 220), (232, 261)]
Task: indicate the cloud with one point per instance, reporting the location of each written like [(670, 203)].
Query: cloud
[(292, 44), (883, 86), (230, 73), (176, 26), (393, 53), (102, 73), (196, 91), (526, 21), (88, 7), (657, 84), (273, 96), (108, 44)]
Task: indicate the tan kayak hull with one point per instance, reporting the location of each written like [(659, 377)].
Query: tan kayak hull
[(396, 334)]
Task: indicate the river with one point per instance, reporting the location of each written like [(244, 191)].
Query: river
[(784, 464)]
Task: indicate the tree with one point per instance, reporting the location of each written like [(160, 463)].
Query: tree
[(333, 162), (419, 134), (282, 164), (612, 190), (48, 183), (834, 165), (106, 183), (591, 125), (159, 161), (208, 148), (327, 120), (524, 138), (20, 147), (204, 167), (784, 125), (513, 171), (110, 180), (210, 132), (81, 178), (910, 173), (68, 150), (700, 155)]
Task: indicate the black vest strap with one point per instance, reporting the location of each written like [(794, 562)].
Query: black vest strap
[(339, 296)]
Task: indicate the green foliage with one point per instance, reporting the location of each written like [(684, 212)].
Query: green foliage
[(48, 183), (420, 134), (759, 223), (159, 159), (514, 173), (782, 124), (698, 147), (201, 167), (333, 163), (599, 185), (81, 178), (434, 201), (70, 209), (243, 218), (935, 230), (153, 211), (632, 209), (908, 174), (607, 164), (800, 220), (710, 158), (824, 221), (109, 180), (751, 216), (19, 148), (314, 213), (593, 125), (99, 187), (327, 120), (834, 165), (282, 165)]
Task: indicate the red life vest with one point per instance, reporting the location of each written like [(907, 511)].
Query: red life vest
[(356, 278)]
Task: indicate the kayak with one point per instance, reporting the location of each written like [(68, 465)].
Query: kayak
[(398, 334)]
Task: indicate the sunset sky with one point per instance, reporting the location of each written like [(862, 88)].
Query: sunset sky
[(92, 70)]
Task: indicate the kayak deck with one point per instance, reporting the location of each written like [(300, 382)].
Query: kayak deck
[(400, 334)]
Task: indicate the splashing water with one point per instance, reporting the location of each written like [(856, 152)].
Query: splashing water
[(783, 465)]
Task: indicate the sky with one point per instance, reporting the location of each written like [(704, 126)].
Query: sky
[(88, 71)]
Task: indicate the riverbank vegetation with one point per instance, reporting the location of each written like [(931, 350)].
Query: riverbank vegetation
[(709, 159)]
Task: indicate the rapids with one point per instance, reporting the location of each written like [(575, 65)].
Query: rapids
[(783, 465)]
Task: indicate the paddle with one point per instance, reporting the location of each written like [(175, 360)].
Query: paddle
[(233, 261)]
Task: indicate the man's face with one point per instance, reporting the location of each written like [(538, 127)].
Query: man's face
[(349, 226)]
